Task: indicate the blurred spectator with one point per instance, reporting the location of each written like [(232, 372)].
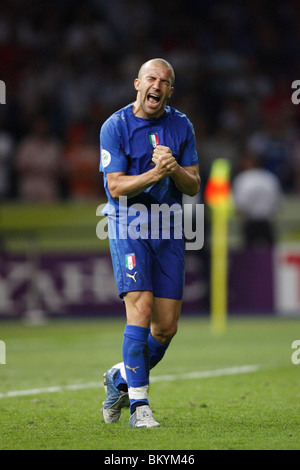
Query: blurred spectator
[(257, 196), (297, 166), (81, 160), (39, 165), (6, 153), (274, 142)]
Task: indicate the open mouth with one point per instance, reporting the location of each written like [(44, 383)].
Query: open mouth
[(153, 99)]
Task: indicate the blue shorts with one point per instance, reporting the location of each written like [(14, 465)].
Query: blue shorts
[(149, 264)]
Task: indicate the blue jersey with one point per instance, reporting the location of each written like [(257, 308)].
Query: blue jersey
[(127, 143)]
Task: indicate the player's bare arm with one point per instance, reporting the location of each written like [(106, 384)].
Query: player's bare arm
[(120, 184), (186, 179)]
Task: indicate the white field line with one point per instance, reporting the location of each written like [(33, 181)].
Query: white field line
[(159, 378)]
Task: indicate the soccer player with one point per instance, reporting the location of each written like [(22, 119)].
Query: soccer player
[(148, 156)]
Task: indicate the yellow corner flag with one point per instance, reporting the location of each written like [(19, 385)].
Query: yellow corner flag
[(218, 196)]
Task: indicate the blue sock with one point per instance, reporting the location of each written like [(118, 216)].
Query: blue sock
[(156, 350), (136, 361), (156, 353)]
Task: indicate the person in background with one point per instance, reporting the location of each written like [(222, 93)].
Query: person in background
[(257, 195), (81, 159), (38, 164)]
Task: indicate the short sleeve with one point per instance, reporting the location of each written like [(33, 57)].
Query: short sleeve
[(189, 155), (112, 155)]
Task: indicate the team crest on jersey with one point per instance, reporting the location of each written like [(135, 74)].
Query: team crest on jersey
[(130, 262), (153, 139)]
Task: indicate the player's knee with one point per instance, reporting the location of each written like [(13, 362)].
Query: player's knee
[(139, 313), (165, 334)]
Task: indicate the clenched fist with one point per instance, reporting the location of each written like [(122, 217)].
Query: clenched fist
[(165, 163)]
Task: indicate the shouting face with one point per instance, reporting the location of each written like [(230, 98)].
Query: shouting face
[(154, 86)]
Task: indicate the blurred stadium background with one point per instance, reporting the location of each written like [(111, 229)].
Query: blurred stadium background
[(67, 66)]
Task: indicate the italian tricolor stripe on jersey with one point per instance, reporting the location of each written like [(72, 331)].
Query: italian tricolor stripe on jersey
[(153, 139)]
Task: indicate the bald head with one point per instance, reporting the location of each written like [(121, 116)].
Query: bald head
[(154, 87), (161, 62)]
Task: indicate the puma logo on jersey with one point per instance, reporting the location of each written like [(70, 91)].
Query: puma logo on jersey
[(133, 368), (132, 276)]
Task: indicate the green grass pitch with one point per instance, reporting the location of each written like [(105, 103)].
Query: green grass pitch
[(258, 409)]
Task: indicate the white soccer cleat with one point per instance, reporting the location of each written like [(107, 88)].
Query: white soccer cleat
[(115, 399), (143, 418)]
